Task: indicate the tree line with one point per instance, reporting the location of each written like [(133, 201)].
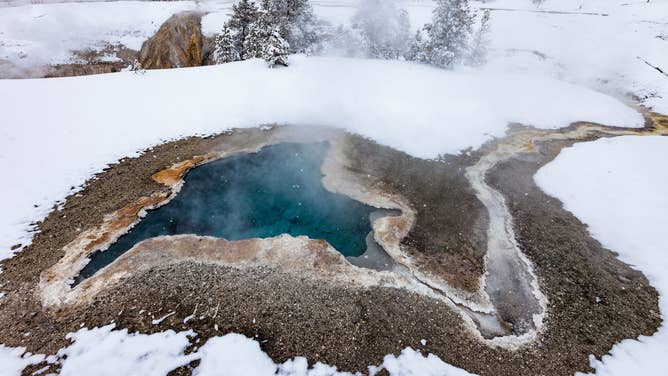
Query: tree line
[(274, 29)]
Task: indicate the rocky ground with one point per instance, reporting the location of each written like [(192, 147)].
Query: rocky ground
[(595, 300)]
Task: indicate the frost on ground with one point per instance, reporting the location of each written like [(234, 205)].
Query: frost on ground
[(423, 111), (618, 188), (107, 352)]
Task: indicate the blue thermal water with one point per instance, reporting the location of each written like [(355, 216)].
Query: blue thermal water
[(277, 190)]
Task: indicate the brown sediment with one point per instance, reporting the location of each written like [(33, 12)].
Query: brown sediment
[(173, 175), (448, 240), (348, 324)]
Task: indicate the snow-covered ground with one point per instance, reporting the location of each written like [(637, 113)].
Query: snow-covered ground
[(607, 45), (57, 132), (107, 352), (61, 131), (603, 44), (618, 188)]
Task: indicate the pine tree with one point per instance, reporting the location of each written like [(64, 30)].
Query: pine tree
[(264, 41), (225, 48), (276, 49), (448, 34), (416, 52), (480, 41), (296, 22), (258, 35), (244, 15)]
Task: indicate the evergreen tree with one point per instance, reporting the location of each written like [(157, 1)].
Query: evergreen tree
[(264, 41), (225, 47), (448, 34), (480, 41), (258, 35), (296, 22), (416, 52), (244, 15), (276, 49)]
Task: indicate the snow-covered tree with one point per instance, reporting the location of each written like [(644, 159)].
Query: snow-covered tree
[(276, 48), (383, 28), (225, 47), (264, 41), (480, 41), (244, 15), (296, 22), (258, 33), (416, 51), (447, 37)]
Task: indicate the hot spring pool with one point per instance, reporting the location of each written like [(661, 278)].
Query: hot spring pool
[(275, 191)]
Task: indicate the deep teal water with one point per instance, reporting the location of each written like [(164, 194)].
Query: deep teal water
[(277, 190)]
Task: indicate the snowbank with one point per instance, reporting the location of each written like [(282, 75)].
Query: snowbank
[(57, 132), (107, 352), (102, 351), (14, 359), (412, 363), (608, 45), (618, 188), (602, 44)]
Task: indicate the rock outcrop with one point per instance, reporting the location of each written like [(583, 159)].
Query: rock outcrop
[(178, 43)]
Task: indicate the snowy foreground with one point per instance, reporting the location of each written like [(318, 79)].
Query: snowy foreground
[(618, 188), (104, 352)]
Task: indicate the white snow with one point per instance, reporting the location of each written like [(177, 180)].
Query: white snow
[(601, 52), (618, 188), (60, 131), (14, 359), (56, 133), (107, 352), (233, 355), (104, 351), (601, 44), (412, 363)]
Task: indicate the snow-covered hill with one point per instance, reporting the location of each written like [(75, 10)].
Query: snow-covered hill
[(615, 46)]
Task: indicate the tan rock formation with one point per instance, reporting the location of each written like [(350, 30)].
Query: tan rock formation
[(178, 43)]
